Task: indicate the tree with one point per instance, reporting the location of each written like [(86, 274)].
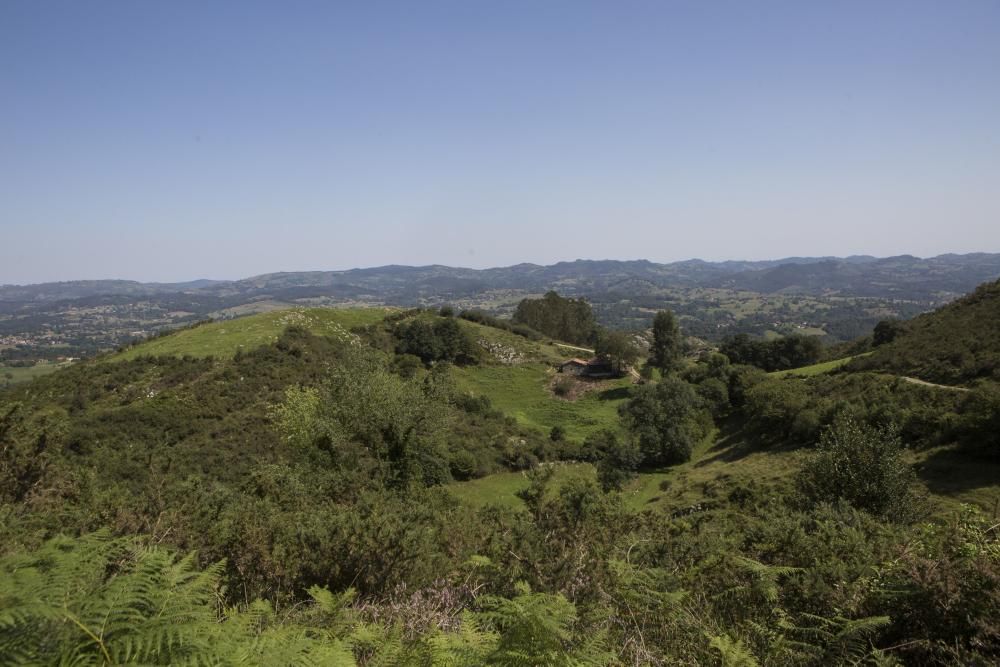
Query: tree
[(618, 460), (886, 331), (667, 346), (617, 348), (663, 420)]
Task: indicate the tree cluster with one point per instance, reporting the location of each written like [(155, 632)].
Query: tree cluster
[(570, 320), (772, 355), (440, 339)]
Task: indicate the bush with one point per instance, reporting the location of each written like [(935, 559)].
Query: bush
[(563, 386), (862, 465), (464, 465)]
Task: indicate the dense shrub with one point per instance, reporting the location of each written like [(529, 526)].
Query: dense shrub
[(862, 465), (664, 420), (439, 340), (774, 355), (571, 320)]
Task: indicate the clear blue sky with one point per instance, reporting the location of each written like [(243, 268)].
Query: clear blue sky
[(175, 140)]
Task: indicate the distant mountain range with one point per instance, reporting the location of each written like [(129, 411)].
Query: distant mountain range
[(931, 279)]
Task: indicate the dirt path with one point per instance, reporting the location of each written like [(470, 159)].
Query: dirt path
[(931, 384), (573, 347)]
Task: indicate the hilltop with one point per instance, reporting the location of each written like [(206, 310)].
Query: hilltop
[(956, 344), (226, 337)]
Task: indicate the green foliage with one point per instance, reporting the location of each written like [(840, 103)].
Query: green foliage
[(306, 474), (298, 416), (943, 587), (663, 418), (537, 629), (442, 339), (862, 465), (480, 317), (668, 345), (617, 348), (775, 355), (732, 653), (777, 407), (570, 320), (887, 331), (955, 344), (102, 601), (617, 459)]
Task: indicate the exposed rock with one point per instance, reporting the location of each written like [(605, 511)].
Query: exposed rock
[(502, 353)]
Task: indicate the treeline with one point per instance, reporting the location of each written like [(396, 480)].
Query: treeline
[(772, 355), (569, 320)]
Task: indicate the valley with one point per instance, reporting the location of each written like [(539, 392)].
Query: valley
[(836, 299), (366, 462)]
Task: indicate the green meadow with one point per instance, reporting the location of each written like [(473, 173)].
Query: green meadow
[(523, 392)]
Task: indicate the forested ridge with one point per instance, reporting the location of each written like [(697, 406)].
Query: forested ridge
[(295, 503)]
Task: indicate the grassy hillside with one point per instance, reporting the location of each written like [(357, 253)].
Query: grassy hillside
[(730, 465), (515, 373), (518, 376), (319, 472), (11, 375), (956, 344), (524, 392), (224, 338), (817, 369)]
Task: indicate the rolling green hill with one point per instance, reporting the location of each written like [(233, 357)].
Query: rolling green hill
[(515, 373), (955, 344), (224, 338)]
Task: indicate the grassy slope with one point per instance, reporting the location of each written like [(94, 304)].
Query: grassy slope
[(501, 489), (818, 369), (522, 392), (224, 338), (728, 460), (26, 374), (720, 463)]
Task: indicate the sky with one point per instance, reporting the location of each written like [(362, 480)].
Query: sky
[(166, 141)]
